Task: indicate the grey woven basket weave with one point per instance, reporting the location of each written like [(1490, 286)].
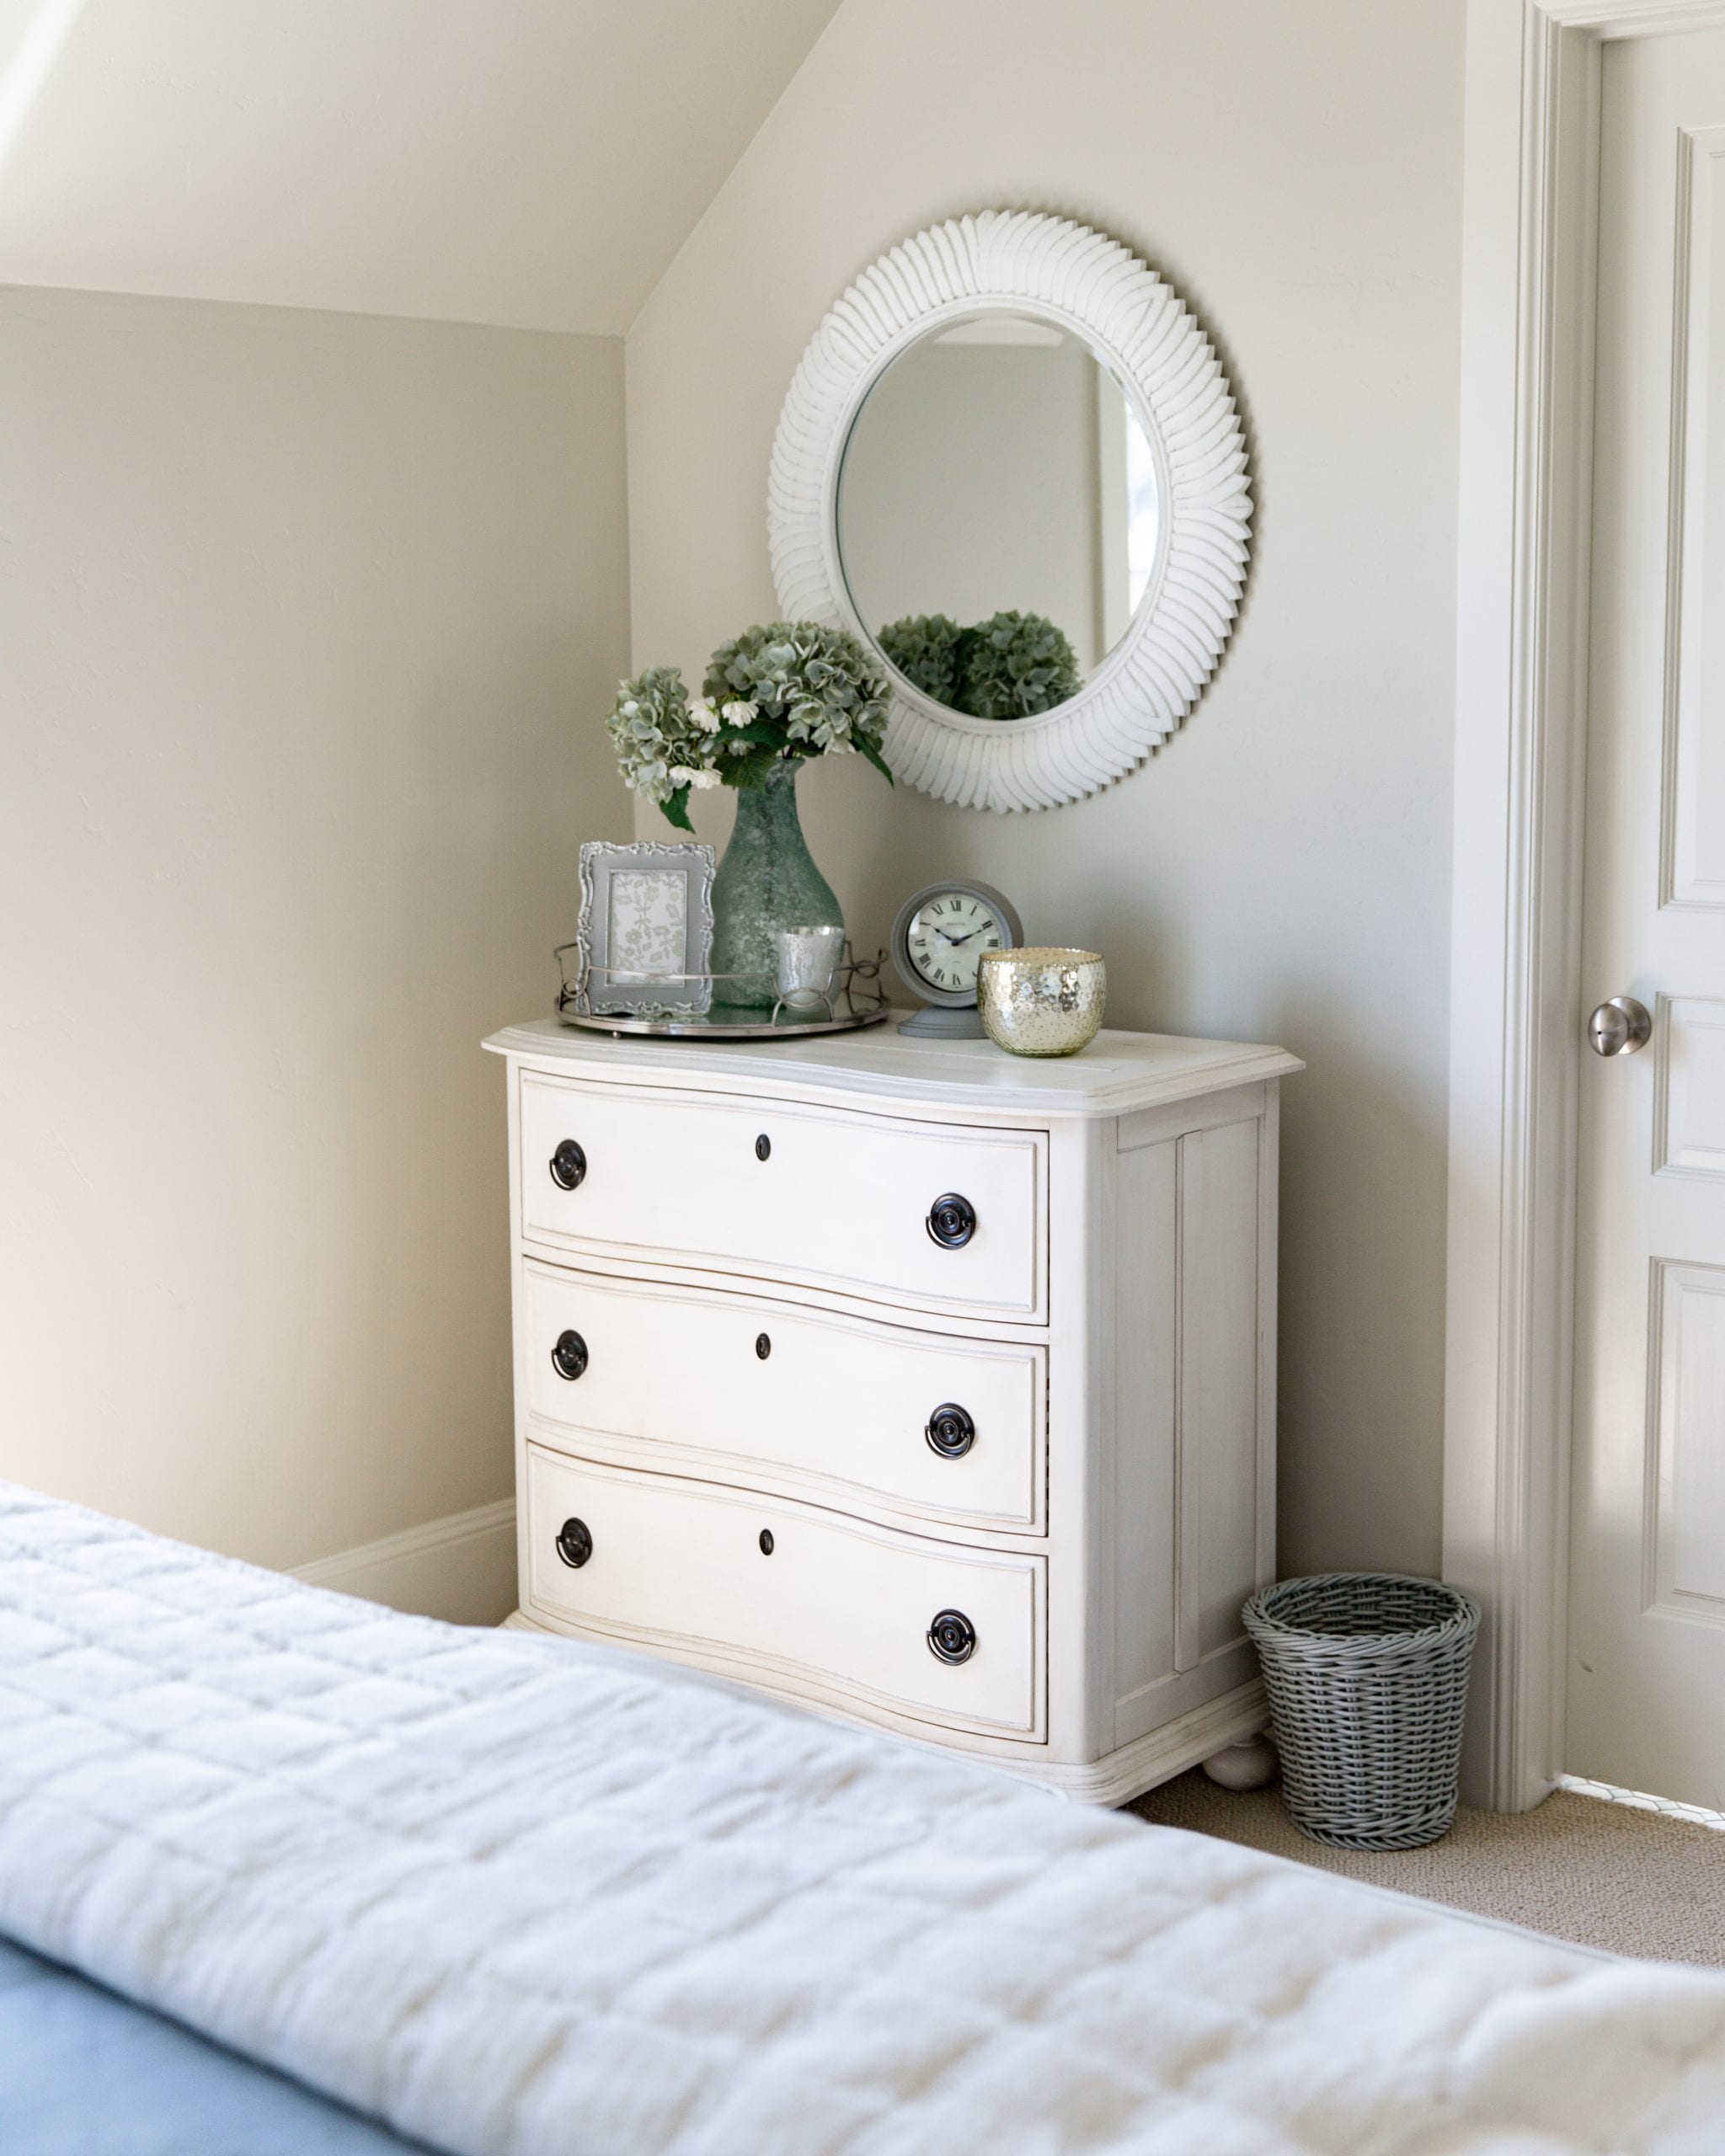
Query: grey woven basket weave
[(1367, 1674)]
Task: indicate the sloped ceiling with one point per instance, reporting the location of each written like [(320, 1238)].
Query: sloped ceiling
[(529, 162)]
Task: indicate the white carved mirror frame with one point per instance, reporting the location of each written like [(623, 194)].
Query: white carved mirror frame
[(1087, 283)]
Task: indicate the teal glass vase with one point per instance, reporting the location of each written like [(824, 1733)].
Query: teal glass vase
[(767, 881)]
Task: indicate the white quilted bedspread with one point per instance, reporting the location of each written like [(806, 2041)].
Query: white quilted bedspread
[(516, 1895)]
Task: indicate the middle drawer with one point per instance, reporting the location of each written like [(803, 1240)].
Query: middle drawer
[(858, 1414)]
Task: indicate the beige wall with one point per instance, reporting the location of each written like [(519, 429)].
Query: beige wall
[(1280, 872), (305, 623)]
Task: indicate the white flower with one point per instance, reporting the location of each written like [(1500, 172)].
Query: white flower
[(703, 715), (739, 713), (686, 774)]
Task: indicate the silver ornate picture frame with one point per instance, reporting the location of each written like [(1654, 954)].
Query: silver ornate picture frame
[(645, 941)]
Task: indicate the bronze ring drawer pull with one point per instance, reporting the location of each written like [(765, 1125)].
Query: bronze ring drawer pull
[(569, 1166), (952, 1221), (574, 1545), (950, 1431), (952, 1637), (569, 1358)]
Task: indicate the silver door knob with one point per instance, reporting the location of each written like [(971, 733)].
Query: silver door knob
[(1619, 1027)]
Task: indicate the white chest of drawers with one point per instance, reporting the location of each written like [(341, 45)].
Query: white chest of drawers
[(911, 1380)]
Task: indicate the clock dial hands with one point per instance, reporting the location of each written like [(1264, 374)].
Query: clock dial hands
[(940, 935)]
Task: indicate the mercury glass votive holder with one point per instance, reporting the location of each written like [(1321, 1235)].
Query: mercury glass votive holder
[(806, 961), (1041, 1002)]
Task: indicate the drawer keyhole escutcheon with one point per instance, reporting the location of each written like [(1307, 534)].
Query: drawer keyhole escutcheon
[(952, 1637), (952, 1221), (574, 1545), (763, 1346), (569, 1358), (950, 1432), (766, 1542), (569, 1166), (763, 1147)]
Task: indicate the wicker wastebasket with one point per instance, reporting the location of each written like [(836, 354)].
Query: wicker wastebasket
[(1367, 1674)]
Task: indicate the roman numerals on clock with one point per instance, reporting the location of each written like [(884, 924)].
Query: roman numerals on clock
[(947, 937), (939, 937)]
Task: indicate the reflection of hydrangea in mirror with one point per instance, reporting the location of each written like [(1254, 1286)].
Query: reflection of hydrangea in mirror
[(925, 649), (1010, 666)]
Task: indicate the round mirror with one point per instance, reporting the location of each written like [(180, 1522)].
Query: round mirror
[(1010, 461), (997, 514)]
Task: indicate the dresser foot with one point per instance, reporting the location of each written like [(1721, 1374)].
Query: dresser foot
[(1248, 1765)]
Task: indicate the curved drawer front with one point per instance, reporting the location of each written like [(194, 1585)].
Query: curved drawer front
[(841, 1410), (845, 1608), (838, 1200)]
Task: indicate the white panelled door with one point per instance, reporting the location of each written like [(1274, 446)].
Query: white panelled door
[(1646, 1633)]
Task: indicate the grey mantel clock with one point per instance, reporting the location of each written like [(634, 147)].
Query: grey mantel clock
[(941, 932)]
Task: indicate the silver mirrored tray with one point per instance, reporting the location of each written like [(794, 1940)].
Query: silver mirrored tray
[(857, 1000), (723, 1024)]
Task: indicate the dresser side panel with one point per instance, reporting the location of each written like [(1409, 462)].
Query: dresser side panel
[(1178, 1118), (1269, 1241), (1147, 1315), (1216, 1454), (1080, 1431)]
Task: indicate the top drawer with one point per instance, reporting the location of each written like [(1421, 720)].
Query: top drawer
[(824, 1196)]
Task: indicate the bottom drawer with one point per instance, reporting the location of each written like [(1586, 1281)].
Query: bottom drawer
[(931, 1629)]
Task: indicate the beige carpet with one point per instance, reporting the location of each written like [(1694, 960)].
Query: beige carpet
[(1631, 1881)]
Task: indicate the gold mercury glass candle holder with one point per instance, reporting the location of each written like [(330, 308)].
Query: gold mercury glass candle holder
[(1041, 1002)]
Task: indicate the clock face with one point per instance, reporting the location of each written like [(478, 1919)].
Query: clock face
[(948, 934)]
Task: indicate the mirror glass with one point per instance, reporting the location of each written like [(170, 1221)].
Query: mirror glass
[(997, 514)]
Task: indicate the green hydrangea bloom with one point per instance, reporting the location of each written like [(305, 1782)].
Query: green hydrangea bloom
[(652, 732), (814, 688), (925, 649), (1014, 665)]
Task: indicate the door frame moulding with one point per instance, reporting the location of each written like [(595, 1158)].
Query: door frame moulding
[(1528, 250)]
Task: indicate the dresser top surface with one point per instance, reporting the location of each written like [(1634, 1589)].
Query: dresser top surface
[(1117, 1073)]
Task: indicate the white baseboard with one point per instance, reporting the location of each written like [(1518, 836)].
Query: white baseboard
[(1638, 1800), (462, 1569)]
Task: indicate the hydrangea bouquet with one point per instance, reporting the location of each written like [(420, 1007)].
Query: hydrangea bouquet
[(772, 696)]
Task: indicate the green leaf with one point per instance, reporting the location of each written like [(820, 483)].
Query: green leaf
[(677, 809), (759, 734), (875, 758), (750, 774)]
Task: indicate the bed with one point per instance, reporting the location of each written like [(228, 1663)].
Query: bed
[(511, 1896), (83, 2073)]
